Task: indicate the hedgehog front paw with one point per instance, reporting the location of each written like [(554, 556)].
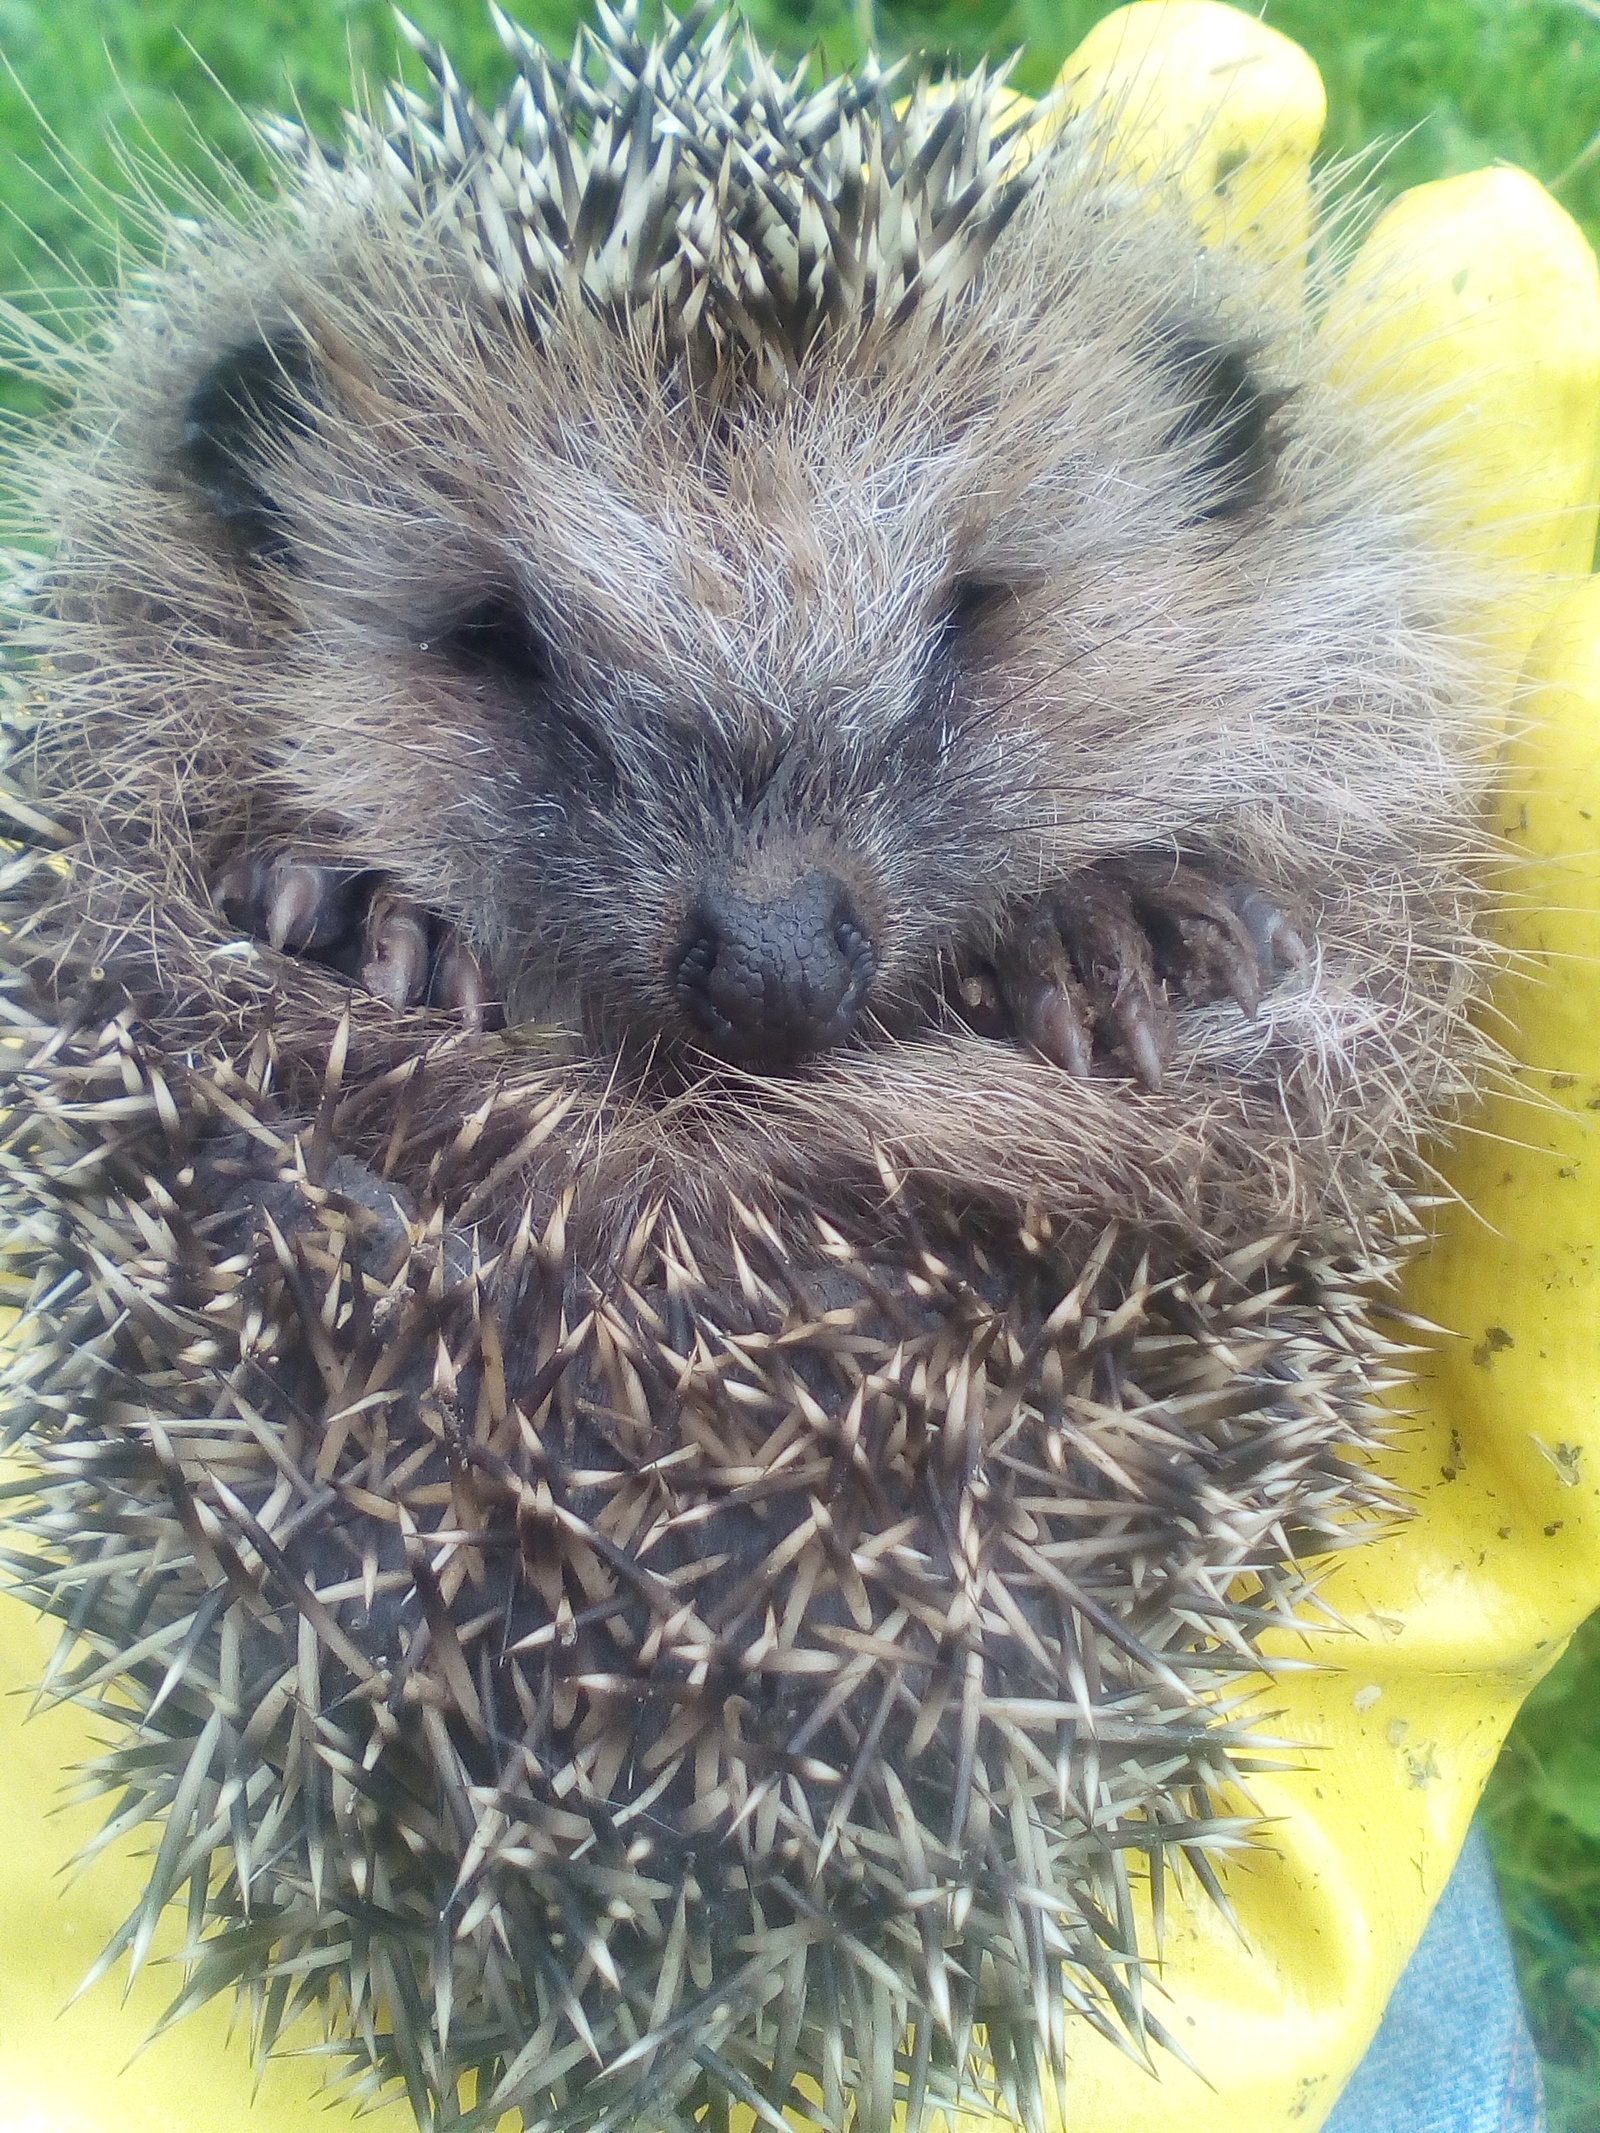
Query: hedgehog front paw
[(355, 922), (1094, 968)]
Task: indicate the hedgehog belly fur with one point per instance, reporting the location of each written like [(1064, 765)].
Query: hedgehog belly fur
[(747, 859)]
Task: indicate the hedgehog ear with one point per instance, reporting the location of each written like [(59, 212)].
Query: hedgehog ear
[(249, 397), (1229, 413)]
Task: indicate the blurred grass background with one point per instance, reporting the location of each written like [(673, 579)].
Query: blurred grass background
[(1452, 84)]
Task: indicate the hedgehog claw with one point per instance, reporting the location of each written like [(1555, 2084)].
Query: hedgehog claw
[(978, 1000), (1047, 1005), (349, 920), (1096, 968), (1212, 940), (1141, 1028), (300, 908), (296, 909), (1110, 951), (396, 959), (1199, 938), (459, 984), (1064, 1033), (1275, 940)]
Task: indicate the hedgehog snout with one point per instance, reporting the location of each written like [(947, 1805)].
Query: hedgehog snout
[(767, 982)]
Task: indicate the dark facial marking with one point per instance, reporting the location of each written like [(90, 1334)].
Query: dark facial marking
[(497, 634), (968, 604), (246, 398), (497, 639), (1230, 413)]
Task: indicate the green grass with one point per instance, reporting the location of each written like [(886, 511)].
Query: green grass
[(1452, 83), (1543, 1818), (1455, 83)]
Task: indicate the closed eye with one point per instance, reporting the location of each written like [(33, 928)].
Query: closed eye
[(497, 639), (968, 604), (496, 633)]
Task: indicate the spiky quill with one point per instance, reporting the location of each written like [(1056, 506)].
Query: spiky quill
[(667, 1555)]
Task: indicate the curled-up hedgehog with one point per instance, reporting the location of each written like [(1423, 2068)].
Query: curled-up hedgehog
[(746, 860)]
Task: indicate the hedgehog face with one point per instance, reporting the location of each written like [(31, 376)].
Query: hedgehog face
[(671, 738), (1043, 685), (714, 720)]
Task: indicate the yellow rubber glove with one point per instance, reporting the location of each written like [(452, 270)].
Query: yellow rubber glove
[(1477, 301), (1211, 97), (1454, 1618), (1477, 292)]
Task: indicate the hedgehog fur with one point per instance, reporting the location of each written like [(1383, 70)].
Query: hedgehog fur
[(744, 864)]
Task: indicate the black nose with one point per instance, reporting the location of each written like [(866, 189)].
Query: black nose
[(767, 983)]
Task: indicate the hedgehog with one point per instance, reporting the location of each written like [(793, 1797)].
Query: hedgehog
[(744, 864)]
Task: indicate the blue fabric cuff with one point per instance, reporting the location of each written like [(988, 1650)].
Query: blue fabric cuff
[(1453, 2054)]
